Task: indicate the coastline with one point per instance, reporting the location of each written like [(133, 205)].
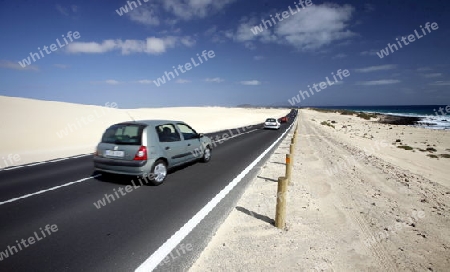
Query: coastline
[(359, 202), (428, 121), (399, 120)]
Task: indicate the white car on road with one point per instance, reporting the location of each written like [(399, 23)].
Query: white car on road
[(271, 123)]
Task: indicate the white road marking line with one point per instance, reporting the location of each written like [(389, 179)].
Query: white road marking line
[(11, 168), (34, 164), (79, 156), (57, 160), (159, 255), (46, 190)]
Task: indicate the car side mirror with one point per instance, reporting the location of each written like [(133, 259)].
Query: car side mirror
[(200, 135)]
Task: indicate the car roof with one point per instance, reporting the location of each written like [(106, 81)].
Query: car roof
[(149, 122)]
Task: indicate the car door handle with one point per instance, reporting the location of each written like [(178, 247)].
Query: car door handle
[(189, 144), (167, 148)]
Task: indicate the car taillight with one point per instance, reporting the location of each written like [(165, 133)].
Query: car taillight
[(141, 155)]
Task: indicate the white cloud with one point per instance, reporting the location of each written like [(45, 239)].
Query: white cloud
[(108, 81), (221, 36), (378, 82), (251, 82), (182, 81), (424, 69), (371, 52), (175, 10), (158, 46), (145, 81), (340, 56), (250, 45), (211, 30), (228, 34), (91, 47), (16, 66), (243, 32), (191, 9), (376, 68), (258, 57), (431, 75), (310, 29), (440, 83), (151, 45), (61, 66), (188, 41), (66, 11), (130, 46), (145, 15), (62, 10), (317, 26), (112, 82), (216, 80)]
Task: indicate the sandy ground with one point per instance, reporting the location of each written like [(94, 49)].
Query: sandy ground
[(34, 130), (353, 206)]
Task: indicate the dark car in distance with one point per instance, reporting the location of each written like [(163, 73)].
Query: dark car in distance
[(283, 119)]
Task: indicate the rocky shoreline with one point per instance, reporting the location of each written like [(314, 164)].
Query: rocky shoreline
[(382, 118), (400, 120)]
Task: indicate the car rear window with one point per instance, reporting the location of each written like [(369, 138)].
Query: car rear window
[(128, 134), (270, 120)]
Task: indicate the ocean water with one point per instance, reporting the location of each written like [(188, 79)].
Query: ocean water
[(429, 113)]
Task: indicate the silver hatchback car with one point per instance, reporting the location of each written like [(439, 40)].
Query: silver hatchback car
[(272, 123), (148, 148)]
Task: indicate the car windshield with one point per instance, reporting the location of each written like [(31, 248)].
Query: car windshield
[(270, 120), (128, 134)]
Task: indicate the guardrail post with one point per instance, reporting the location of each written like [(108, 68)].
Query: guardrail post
[(291, 164), (293, 142), (288, 168), (280, 215)]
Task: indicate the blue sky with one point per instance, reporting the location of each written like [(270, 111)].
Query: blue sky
[(118, 58)]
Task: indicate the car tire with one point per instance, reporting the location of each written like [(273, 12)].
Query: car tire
[(206, 154), (158, 173)]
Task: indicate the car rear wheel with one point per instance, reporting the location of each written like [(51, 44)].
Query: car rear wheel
[(158, 173), (207, 154)]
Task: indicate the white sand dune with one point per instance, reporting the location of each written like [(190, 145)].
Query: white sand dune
[(35, 130)]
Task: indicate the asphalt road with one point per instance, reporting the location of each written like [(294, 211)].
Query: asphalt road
[(121, 235)]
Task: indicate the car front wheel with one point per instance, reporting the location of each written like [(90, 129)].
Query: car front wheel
[(206, 154)]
